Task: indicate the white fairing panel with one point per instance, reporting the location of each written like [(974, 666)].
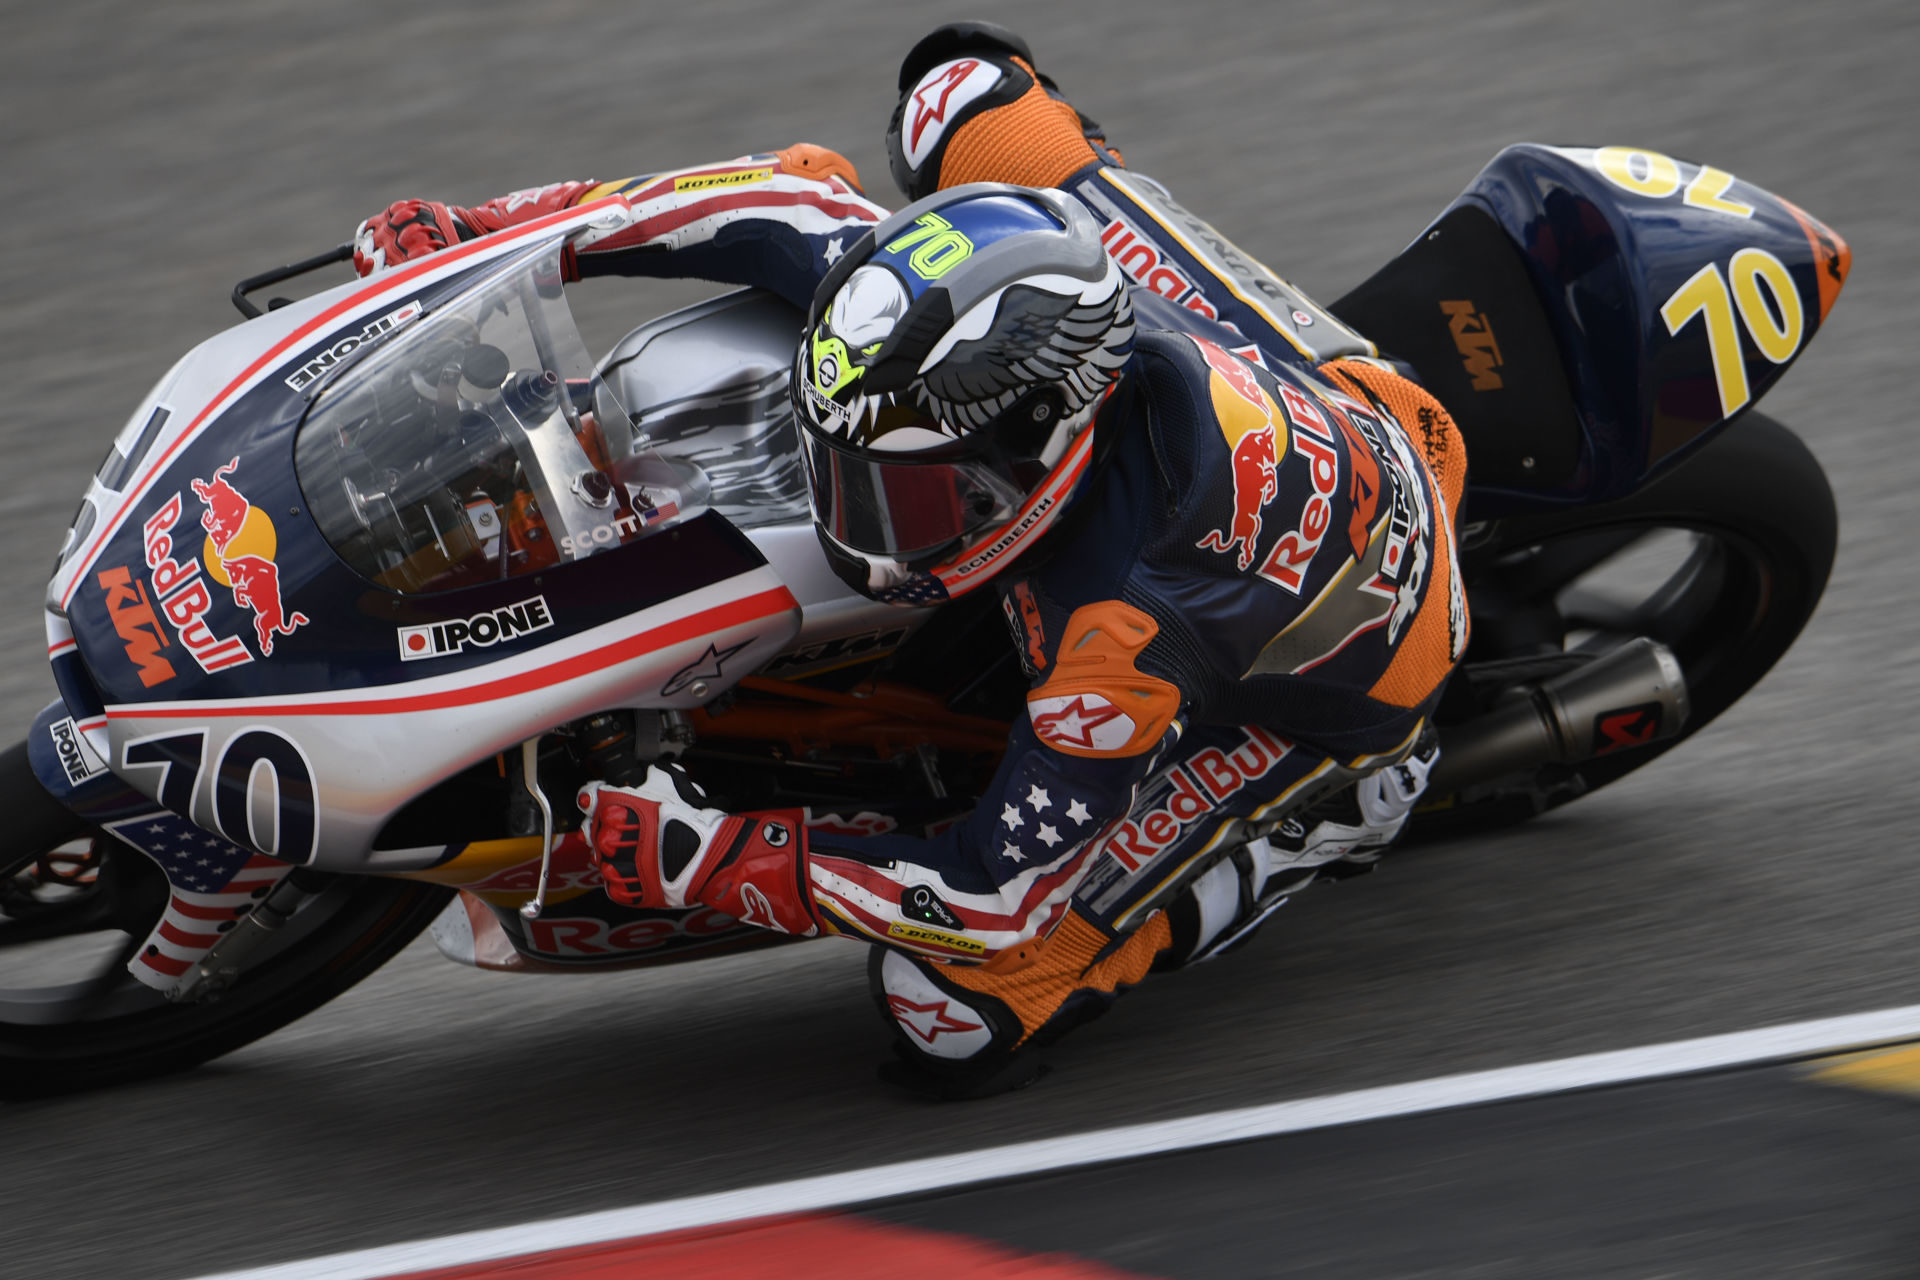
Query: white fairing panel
[(349, 742)]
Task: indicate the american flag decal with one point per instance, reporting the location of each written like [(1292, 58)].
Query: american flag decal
[(213, 882)]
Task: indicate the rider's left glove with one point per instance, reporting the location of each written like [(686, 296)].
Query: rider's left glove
[(409, 229), (657, 845)]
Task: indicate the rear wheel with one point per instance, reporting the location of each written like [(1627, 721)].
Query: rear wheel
[(1723, 560), (76, 905)]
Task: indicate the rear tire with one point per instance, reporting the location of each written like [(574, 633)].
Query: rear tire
[(1766, 528)]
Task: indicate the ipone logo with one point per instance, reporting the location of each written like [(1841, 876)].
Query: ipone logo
[(438, 639), (326, 358)]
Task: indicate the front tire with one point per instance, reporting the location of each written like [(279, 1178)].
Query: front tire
[(93, 1024)]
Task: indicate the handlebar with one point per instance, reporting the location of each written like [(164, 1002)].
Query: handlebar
[(341, 253)]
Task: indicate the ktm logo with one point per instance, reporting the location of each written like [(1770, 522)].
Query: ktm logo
[(1474, 339), (134, 620)]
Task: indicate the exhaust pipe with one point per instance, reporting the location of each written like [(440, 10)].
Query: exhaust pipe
[(1633, 696)]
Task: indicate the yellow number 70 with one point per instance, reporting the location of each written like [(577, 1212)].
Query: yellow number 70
[(1706, 294)]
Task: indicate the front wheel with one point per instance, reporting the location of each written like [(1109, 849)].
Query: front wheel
[(1722, 560), (75, 906)]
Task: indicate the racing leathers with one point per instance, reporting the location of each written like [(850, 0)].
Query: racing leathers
[(1233, 635)]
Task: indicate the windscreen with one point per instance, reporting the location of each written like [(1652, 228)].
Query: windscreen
[(477, 443)]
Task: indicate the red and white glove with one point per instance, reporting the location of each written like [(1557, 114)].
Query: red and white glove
[(409, 229), (656, 846)]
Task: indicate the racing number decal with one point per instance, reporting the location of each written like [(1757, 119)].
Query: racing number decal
[(1648, 173), (244, 764), (179, 757), (1775, 330), (295, 829), (941, 247)]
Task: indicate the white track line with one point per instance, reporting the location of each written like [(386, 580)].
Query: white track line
[(1623, 1066)]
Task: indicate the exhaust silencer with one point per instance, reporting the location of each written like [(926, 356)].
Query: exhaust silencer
[(1629, 698)]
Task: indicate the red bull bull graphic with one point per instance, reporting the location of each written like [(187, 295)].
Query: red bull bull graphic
[(183, 595), (1255, 435), (239, 552)]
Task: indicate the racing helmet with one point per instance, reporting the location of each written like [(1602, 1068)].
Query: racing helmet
[(952, 362)]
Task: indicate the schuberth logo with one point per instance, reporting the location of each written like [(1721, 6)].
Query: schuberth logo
[(134, 621), (438, 639), (1473, 337)]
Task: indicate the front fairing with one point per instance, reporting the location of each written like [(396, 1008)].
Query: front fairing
[(200, 611)]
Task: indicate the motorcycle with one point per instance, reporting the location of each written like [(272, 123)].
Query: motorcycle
[(371, 582)]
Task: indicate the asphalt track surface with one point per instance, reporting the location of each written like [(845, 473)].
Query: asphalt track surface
[(1762, 873)]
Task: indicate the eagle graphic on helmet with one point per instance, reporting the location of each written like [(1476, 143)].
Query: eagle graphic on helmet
[(950, 368)]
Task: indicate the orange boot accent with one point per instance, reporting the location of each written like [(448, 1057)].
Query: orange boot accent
[(1033, 141), (1035, 980), (1426, 655), (810, 161)]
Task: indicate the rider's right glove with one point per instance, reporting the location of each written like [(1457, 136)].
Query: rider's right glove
[(656, 845)]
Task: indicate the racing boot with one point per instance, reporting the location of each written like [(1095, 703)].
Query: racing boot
[(1344, 834), (974, 1031), (974, 109)]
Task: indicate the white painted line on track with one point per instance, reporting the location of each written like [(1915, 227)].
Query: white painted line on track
[(912, 1177)]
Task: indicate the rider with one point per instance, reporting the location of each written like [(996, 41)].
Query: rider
[(1220, 527)]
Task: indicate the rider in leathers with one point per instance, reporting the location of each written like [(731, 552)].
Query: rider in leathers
[(1234, 591)]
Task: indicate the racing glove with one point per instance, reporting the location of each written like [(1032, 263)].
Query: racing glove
[(973, 108), (658, 845), (410, 229)]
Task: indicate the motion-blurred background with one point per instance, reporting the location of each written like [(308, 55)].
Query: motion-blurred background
[(154, 154)]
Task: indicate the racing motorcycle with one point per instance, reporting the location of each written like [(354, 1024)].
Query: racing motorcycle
[(370, 582)]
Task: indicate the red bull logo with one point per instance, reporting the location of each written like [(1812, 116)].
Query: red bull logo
[(1287, 564), (184, 599), (239, 552), (1255, 435), (1193, 789)]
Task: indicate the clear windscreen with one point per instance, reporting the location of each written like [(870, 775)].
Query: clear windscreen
[(477, 443)]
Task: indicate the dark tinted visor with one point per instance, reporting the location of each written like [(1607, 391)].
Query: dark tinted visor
[(903, 509)]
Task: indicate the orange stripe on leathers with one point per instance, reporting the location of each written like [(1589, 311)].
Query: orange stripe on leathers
[(1425, 655), (1035, 980)]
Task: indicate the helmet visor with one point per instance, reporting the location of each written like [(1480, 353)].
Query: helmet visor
[(904, 509)]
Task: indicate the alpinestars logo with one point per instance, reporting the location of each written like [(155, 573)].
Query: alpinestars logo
[(322, 361), (439, 639)]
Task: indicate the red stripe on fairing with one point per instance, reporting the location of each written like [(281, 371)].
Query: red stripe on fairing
[(64, 644), (181, 938), (377, 284), (673, 219), (161, 962), (197, 912), (754, 608), (807, 1247)]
